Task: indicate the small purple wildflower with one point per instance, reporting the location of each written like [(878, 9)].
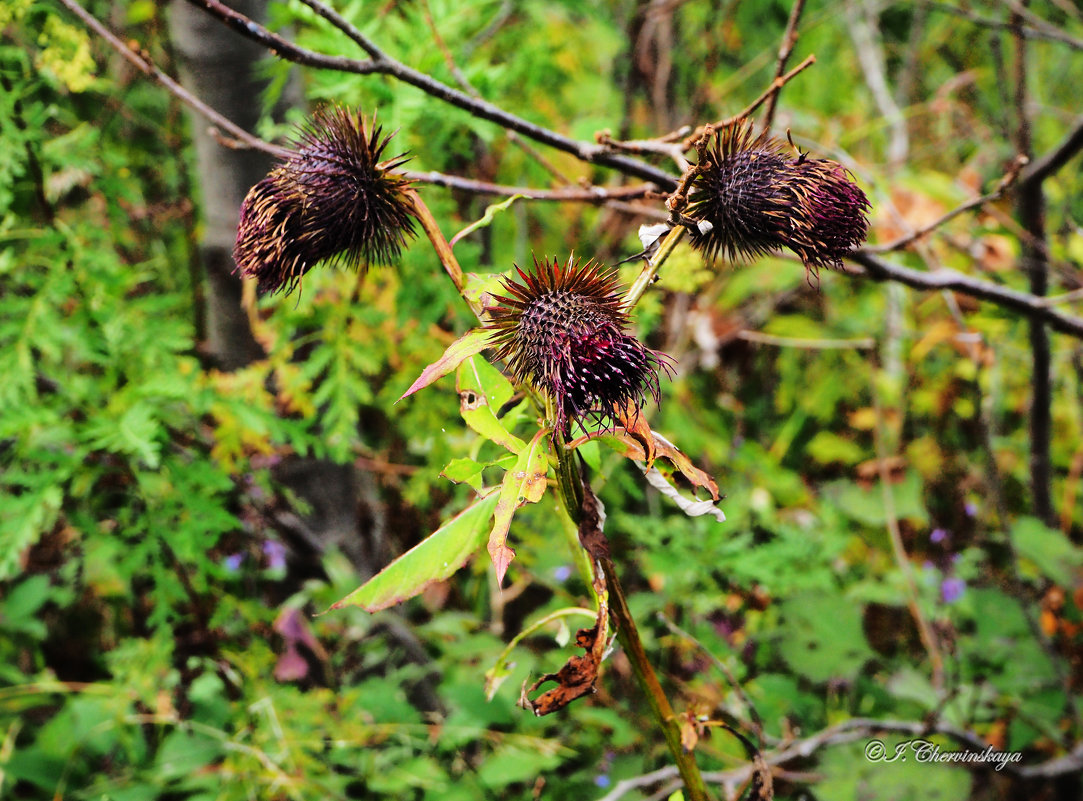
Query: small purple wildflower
[(951, 589), (938, 535), (562, 573), (971, 509), (234, 562), (602, 780), (275, 552)]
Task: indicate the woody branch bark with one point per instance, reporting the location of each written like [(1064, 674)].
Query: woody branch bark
[(1030, 208)]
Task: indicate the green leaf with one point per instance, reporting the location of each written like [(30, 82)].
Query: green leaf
[(24, 518), (464, 471), (867, 505), (18, 614), (482, 389), (828, 447), (435, 558), (468, 471), (472, 342), (523, 483), (184, 753), (479, 286), (1054, 554), (821, 637)]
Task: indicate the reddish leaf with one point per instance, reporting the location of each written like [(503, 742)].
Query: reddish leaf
[(461, 349)]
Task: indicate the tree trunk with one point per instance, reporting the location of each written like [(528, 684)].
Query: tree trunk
[(218, 66)]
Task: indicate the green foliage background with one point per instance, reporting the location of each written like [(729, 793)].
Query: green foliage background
[(146, 623)]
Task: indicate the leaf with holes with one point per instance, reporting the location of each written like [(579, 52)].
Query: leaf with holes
[(483, 390), (523, 483)]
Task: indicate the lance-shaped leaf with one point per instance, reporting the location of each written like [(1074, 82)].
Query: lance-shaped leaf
[(482, 391), (433, 559), (523, 483), (463, 348)]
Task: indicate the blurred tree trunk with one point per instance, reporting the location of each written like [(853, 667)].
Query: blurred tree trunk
[(221, 68), (218, 66)]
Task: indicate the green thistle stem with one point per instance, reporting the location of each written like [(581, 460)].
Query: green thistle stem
[(573, 489), (651, 267), (443, 250)]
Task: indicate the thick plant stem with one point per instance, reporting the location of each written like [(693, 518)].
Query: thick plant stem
[(583, 507), (443, 249), (628, 635)]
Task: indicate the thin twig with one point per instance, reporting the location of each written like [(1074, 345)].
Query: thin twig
[(571, 194), (863, 23), (1050, 33), (723, 668), (1033, 307), (849, 731), (1002, 187), (1040, 169), (686, 137), (1043, 28), (902, 561), (777, 84), (789, 39), (861, 343), (145, 66), (382, 64), (465, 84)]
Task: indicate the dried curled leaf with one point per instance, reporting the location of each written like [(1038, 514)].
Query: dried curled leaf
[(637, 441), (575, 679)]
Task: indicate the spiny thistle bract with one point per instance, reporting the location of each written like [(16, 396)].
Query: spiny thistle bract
[(758, 197), (561, 330), (331, 200)]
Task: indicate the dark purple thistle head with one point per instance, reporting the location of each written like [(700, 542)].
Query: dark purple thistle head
[(331, 200), (561, 330), (759, 197)]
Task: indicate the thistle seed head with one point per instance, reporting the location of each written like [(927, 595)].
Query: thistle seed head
[(330, 200), (759, 197), (561, 330)]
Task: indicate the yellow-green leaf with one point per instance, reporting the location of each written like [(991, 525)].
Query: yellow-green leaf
[(433, 559)]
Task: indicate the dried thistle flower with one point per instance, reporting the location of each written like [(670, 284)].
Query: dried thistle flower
[(758, 197), (331, 200), (561, 330)]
